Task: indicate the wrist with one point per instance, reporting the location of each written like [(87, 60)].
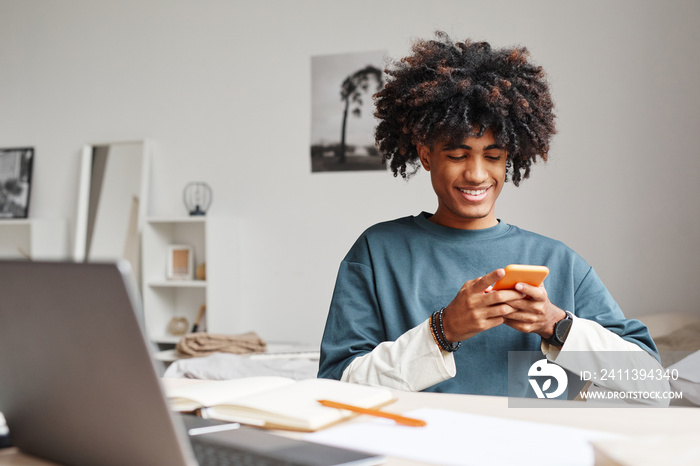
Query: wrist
[(548, 331), (437, 330), (561, 330), (446, 325)]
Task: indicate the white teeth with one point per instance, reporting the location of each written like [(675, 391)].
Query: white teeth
[(473, 193)]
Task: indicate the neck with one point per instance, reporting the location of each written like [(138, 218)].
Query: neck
[(464, 223)]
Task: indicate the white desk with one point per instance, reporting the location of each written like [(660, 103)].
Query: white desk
[(633, 422), (628, 421)]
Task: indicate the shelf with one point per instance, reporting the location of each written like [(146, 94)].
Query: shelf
[(214, 242), (16, 221), (168, 339), (177, 284), (32, 238), (194, 219)]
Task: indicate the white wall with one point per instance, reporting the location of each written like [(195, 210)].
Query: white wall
[(222, 87)]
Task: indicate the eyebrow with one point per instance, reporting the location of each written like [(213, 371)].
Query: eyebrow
[(466, 147)]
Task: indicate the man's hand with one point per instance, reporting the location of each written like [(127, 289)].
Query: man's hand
[(474, 310), (535, 312)]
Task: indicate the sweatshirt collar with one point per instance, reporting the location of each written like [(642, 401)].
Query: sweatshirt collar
[(422, 220)]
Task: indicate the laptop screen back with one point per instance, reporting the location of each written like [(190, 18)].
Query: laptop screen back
[(77, 385)]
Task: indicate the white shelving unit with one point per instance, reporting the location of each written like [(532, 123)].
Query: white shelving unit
[(214, 241), (36, 239)]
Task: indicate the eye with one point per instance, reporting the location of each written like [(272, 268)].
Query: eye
[(455, 154), (494, 155)]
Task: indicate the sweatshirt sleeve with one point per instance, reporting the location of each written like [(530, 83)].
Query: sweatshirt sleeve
[(602, 340), (594, 303), (614, 363), (413, 362), (355, 345), (354, 324)]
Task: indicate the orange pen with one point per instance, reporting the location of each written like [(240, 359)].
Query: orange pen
[(403, 420)]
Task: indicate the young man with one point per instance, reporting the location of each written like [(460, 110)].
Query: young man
[(412, 308)]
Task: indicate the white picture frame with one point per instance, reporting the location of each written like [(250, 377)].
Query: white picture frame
[(180, 262)]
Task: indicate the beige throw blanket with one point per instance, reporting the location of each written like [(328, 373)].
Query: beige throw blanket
[(203, 344)]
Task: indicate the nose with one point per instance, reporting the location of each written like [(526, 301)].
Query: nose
[(475, 171)]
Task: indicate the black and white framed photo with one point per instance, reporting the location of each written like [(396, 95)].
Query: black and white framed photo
[(15, 181), (180, 262), (342, 111)]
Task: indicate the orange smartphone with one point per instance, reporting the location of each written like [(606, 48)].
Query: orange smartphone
[(518, 273)]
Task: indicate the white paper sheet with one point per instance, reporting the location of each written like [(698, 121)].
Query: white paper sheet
[(454, 438)]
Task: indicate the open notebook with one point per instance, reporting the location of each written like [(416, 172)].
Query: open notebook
[(78, 386), (275, 402)]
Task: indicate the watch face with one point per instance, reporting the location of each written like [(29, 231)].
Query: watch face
[(561, 328)]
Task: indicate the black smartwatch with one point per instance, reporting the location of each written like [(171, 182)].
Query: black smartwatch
[(561, 330)]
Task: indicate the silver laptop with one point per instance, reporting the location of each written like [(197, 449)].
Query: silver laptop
[(78, 385)]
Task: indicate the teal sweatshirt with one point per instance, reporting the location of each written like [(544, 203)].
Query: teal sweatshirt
[(399, 272)]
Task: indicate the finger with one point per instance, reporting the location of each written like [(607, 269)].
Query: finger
[(535, 292), (524, 305), (522, 317), (493, 322), (525, 327), (483, 283), (502, 296), (530, 305), (499, 311)]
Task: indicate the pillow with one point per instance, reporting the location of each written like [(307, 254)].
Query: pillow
[(680, 350), (678, 344)]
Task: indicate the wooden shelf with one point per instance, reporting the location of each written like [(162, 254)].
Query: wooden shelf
[(177, 284)]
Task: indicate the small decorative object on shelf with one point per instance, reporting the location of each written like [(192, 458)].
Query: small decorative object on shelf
[(197, 197), (178, 326), (198, 327), (200, 273), (180, 262)]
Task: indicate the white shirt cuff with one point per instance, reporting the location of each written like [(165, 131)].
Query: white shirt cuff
[(592, 348), (413, 362)]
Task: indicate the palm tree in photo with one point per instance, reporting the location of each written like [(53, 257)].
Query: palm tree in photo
[(351, 92)]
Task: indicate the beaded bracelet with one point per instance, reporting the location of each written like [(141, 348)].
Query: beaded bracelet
[(438, 332), (452, 346)]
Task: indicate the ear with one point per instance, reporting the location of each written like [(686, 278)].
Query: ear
[(424, 154)]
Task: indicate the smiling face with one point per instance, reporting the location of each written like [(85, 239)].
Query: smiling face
[(467, 179)]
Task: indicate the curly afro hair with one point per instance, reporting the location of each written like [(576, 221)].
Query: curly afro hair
[(445, 92)]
